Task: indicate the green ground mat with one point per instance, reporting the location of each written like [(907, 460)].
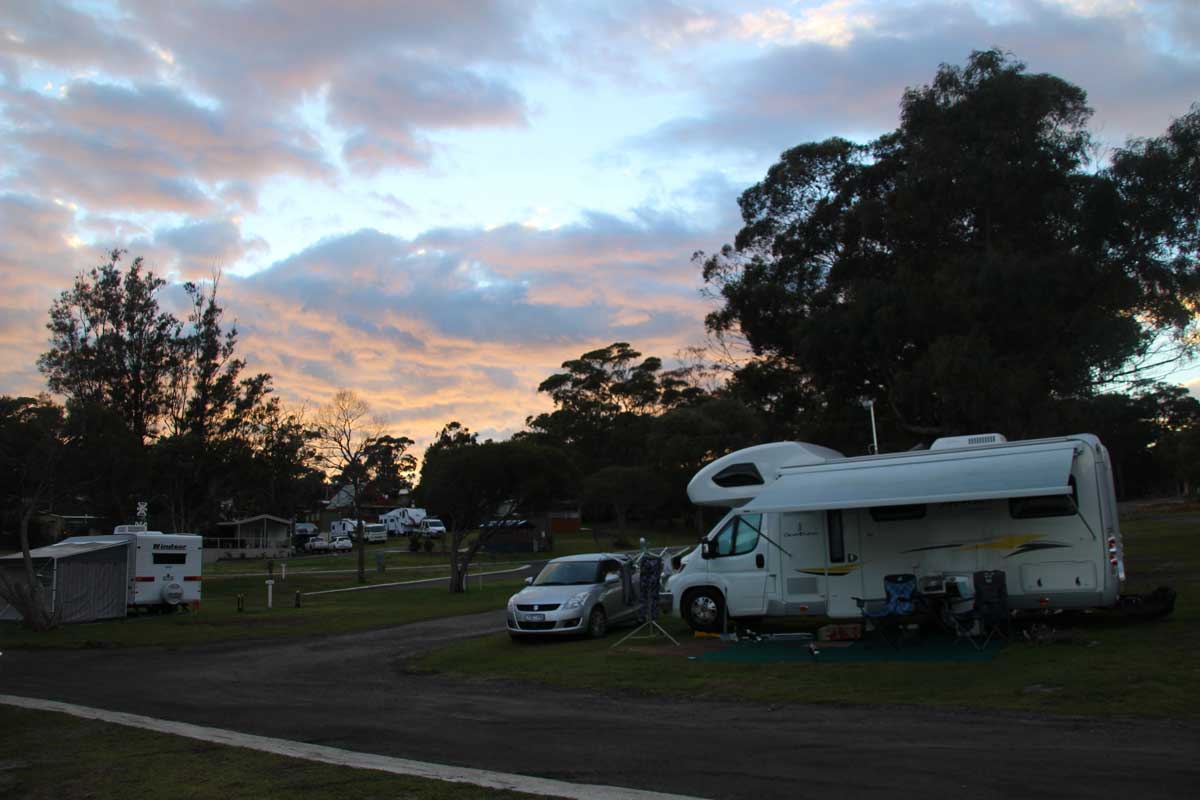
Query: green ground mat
[(838, 652)]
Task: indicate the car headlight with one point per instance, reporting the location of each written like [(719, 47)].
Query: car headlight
[(512, 602), (578, 600)]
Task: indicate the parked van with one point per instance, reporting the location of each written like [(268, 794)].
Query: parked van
[(431, 528), (374, 532), (811, 533)]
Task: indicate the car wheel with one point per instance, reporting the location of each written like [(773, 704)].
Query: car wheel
[(703, 610), (597, 623)]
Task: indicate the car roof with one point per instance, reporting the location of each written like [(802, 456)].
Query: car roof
[(590, 557)]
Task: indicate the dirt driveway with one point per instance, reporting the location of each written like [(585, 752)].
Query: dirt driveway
[(352, 691)]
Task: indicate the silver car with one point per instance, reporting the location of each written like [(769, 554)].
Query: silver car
[(576, 594)]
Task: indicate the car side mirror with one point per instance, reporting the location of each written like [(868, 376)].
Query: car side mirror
[(706, 549), (612, 578), (529, 581)]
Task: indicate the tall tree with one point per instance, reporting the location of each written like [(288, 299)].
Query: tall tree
[(604, 400), (969, 269), (344, 435), (470, 484), (111, 344)]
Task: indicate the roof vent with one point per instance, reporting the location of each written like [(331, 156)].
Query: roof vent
[(973, 440)]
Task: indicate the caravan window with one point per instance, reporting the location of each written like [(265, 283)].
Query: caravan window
[(739, 536), (1058, 505), (837, 540)]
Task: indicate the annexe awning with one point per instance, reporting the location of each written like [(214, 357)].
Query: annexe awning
[(992, 473)]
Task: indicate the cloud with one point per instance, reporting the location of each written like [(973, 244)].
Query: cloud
[(38, 259), (148, 147), (841, 69), (200, 247), (55, 34)]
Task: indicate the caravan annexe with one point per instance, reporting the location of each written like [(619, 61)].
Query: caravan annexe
[(809, 531)]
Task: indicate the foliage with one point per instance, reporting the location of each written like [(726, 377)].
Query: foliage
[(966, 269), (602, 400), (471, 484), (33, 439), (111, 345), (626, 490)]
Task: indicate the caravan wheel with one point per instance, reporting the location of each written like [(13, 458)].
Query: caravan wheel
[(702, 610)]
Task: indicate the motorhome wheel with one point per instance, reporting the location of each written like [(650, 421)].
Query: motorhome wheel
[(597, 623), (702, 610), (172, 594)]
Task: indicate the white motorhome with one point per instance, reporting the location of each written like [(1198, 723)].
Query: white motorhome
[(810, 532), (162, 569)]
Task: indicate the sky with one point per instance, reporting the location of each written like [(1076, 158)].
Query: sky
[(435, 204)]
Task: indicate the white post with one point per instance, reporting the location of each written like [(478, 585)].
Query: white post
[(284, 578), (870, 406), (270, 586)]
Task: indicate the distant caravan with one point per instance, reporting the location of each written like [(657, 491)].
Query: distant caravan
[(811, 532)]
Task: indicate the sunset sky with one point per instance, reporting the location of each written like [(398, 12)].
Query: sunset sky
[(436, 203)]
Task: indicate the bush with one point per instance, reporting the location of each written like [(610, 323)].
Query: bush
[(414, 545), (429, 545)]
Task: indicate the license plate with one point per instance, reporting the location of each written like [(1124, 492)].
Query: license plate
[(535, 617)]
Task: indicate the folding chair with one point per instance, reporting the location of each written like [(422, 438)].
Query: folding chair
[(988, 616), (898, 608)]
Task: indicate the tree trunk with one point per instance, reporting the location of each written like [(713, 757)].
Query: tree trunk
[(360, 544), (457, 568), (30, 599)]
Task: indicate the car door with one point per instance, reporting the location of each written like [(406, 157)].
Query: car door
[(612, 595), (739, 558)]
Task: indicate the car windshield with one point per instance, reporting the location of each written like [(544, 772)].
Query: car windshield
[(433, 523), (569, 573)]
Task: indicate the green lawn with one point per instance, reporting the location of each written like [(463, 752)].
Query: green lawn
[(218, 618), (1099, 665), (50, 756)]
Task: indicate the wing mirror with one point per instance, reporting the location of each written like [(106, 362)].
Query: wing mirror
[(612, 578), (706, 549), (529, 581)]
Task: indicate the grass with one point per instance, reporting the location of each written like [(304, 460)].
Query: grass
[(219, 620), (1100, 666), (51, 756)]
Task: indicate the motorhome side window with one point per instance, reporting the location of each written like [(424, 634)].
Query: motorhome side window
[(837, 540), (1059, 505), (738, 536)]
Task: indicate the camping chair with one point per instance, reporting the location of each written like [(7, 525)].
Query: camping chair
[(898, 607), (988, 616)]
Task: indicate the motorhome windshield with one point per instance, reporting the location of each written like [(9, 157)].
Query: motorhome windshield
[(569, 573)]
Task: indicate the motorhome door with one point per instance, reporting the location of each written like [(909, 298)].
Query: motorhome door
[(740, 555), (804, 580), (844, 579)]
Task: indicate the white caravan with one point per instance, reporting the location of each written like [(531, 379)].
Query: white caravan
[(403, 521), (162, 569), (810, 531), (343, 527)]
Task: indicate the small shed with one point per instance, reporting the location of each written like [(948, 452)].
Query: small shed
[(84, 581), (262, 536)]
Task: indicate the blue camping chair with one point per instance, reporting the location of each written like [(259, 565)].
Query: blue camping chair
[(898, 609)]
